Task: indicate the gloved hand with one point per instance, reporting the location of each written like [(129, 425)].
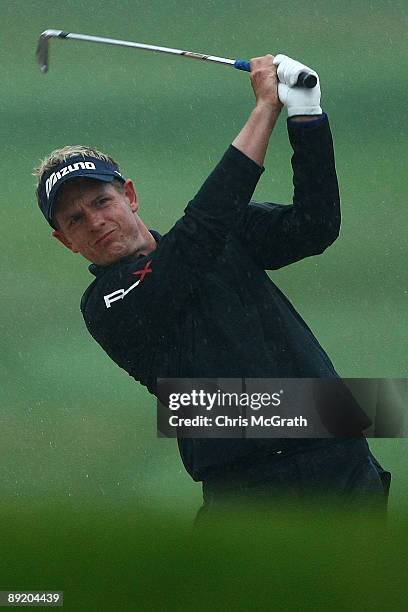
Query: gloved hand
[(298, 100)]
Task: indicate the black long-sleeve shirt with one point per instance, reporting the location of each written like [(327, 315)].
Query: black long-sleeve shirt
[(201, 304)]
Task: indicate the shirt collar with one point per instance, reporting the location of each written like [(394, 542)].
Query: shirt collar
[(97, 270)]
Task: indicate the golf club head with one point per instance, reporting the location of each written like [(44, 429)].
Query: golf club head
[(42, 48)]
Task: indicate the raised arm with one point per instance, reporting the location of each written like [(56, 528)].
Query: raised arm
[(254, 137), (277, 235)]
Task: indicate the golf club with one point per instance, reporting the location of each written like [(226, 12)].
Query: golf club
[(305, 79)]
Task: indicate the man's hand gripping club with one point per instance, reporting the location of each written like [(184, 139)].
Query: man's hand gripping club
[(271, 95)]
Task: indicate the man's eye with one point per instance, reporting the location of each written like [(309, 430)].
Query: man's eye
[(74, 220), (102, 201)]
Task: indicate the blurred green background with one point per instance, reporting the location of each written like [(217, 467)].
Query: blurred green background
[(75, 430)]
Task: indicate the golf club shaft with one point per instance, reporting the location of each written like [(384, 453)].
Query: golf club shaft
[(304, 80)]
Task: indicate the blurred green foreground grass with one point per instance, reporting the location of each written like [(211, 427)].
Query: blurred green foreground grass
[(114, 560)]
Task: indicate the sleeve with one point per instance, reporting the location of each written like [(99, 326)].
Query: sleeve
[(173, 271), (277, 235)]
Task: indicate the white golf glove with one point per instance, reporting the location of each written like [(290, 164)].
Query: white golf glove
[(298, 100)]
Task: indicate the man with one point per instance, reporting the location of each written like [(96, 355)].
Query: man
[(197, 301)]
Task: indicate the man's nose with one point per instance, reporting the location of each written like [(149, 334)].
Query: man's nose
[(95, 219)]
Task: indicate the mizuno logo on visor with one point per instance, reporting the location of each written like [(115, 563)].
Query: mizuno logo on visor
[(56, 176)]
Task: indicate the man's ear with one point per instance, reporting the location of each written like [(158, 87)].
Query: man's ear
[(131, 194), (62, 238)]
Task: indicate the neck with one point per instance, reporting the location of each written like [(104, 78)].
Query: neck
[(149, 246)]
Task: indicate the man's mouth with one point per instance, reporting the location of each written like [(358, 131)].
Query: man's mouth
[(102, 238)]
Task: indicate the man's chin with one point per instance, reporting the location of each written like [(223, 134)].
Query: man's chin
[(107, 259)]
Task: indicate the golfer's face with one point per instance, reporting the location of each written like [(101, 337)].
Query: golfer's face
[(97, 220)]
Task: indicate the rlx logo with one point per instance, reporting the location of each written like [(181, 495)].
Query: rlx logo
[(119, 294)]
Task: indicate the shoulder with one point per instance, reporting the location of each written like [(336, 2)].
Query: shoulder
[(86, 295)]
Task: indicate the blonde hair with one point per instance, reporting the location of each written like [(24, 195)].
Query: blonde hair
[(61, 155)]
